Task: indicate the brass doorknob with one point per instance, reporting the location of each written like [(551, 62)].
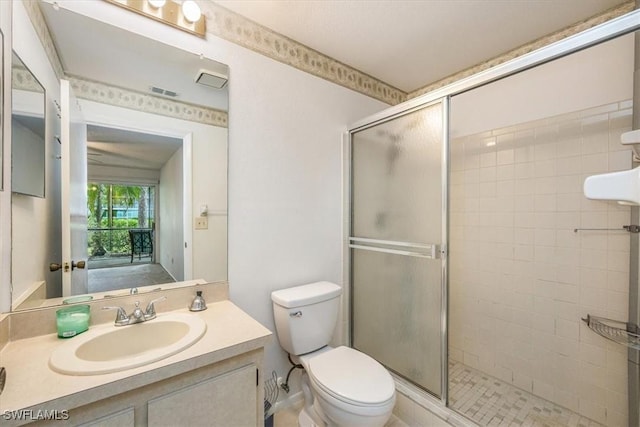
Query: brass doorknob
[(79, 264), (54, 267)]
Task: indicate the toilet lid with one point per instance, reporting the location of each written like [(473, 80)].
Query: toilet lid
[(352, 376)]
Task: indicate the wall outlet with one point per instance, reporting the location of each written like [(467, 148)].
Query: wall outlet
[(202, 223)]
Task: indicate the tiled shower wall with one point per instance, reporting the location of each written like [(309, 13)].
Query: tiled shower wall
[(521, 278)]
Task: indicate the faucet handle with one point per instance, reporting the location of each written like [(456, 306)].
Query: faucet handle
[(137, 313), (121, 315), (150, 311)]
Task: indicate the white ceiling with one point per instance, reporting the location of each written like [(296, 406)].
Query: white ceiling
[(115, 147), (412, 43)]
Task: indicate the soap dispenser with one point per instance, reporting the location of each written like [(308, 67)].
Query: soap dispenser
[(198, 303)]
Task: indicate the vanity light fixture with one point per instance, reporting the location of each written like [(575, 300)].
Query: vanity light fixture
[(191, 10), (183, 15)]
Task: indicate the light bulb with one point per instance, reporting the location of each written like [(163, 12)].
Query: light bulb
[(157, 3), (191, 11)]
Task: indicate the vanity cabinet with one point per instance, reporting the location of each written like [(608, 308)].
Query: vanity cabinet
[(224, 394), (225, 400)]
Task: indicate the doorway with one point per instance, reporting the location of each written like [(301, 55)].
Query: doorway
[(132, 177)]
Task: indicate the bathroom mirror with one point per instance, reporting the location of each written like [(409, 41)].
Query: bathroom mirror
[(27, 131), (148, 173)]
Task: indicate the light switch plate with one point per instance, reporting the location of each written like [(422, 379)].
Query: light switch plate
[(202, 223)]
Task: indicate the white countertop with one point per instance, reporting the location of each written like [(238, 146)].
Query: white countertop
[(32, 384)]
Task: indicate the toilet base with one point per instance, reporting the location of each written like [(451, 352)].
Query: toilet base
[(305, 420)]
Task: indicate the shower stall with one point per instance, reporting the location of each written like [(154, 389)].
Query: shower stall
[(472, 253)]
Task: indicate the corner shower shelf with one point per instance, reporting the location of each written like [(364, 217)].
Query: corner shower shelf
[(620, 332)]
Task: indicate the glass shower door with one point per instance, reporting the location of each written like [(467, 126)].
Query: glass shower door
[(397, 233)]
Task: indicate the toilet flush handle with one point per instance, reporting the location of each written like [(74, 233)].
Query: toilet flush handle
[(296, 314)]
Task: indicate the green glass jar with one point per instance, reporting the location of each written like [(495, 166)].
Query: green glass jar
[(79, 298), (72, 320)]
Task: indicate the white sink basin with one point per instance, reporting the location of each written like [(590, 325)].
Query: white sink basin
[(112, 349)]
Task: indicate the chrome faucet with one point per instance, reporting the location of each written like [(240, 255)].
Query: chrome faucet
[(137, 315)]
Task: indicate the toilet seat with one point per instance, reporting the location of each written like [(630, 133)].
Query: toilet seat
[(351, 377)]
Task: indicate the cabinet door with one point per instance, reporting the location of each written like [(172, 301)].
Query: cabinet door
[(227, 400), (124, 418)]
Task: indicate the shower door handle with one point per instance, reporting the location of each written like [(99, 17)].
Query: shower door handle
[(419, 250)]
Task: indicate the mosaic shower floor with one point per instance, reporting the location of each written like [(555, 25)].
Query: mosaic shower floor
[(490, 402)]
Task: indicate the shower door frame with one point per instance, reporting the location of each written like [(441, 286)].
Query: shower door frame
[(609, 30), (442, 251)]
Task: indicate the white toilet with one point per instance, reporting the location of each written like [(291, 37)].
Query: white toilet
[(342, 386)]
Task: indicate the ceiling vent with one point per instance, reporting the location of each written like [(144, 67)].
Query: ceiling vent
[(211, 79), (160, 91)]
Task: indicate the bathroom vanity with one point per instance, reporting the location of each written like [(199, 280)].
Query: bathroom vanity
[(215, 381)]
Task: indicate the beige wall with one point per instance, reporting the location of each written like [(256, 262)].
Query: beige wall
[(170, 231)]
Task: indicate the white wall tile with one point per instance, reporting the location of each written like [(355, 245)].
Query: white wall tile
[(595, 163), (543, 389), (545, 220), (593, 410), (569, 274), (488, 159), (617, 301), (593, 258), (505, 172), (592, 297), (545, 203), (568, 202), (525, 271), (570, 166), (593, 277), (543, 168), (618, 281), (620, 160), (545, 151), (523, 153), (570, 183), (617, 418), (618, 261), (567, 365), (506, 157), (615, 402), (593, 354), (565, 398)]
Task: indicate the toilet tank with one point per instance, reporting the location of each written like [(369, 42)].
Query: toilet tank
[(306, 316)]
